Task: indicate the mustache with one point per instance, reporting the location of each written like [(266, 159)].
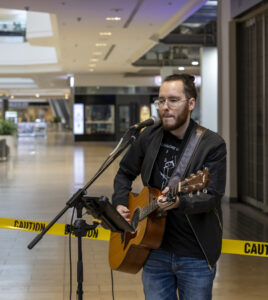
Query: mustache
[(166, 115)]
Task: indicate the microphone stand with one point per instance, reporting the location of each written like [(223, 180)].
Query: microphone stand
[(80, 227)]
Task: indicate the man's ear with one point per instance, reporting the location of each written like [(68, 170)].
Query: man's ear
[(191, 104)]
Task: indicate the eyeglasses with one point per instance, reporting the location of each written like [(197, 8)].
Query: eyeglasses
[(171, 102)]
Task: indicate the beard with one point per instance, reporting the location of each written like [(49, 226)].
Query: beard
[(179, 119)]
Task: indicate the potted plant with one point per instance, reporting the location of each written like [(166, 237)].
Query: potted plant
[(7, 132), (57, 122)]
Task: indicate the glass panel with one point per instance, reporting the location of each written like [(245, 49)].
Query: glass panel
[(124, 119), (251, 110), (99, 119)]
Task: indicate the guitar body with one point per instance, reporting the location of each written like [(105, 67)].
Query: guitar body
[(128, 251)]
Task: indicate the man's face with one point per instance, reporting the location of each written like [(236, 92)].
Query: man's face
[(174, 118)]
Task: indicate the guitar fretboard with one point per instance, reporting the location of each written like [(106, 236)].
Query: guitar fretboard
[(152, 206)]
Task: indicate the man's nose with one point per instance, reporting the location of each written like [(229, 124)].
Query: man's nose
[(165, 104)]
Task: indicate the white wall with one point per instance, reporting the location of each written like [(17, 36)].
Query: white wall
[(209, 88), (227, 92)]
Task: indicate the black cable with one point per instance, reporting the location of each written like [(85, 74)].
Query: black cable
[(70, 254), (112, 279)]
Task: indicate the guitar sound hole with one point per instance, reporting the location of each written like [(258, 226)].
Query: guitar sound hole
[(135, 218)]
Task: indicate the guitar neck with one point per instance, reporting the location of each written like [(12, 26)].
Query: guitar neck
[(152, 206), (144, 212), (194, 182)]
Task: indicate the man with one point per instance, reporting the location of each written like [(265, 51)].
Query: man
[(186, 261)]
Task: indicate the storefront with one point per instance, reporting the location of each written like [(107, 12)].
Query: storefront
[(106, 116)]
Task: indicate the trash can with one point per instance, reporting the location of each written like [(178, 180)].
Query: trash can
[(4, 150)]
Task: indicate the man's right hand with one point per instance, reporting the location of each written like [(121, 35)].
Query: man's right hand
[(124, 212)]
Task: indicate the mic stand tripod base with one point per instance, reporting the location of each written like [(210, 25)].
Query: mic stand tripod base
[(80, 229)]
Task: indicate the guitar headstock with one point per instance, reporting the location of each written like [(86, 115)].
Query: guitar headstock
[(195, 182)]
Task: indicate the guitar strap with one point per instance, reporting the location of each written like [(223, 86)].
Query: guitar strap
[(187, 155)]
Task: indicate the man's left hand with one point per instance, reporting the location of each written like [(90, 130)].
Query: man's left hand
[(164, 204)]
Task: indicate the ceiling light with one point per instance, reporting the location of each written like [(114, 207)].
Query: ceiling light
[(195, 63), (181, 68), (105, 33), (71, 81), (37, 95), (100, 45), (113, 19), (211, 3), (92, 65), (91, 70), (94, 59), (97, 53), (12, 97)]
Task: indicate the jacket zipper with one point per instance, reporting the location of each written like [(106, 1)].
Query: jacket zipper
[(209, 265), (217, 215)]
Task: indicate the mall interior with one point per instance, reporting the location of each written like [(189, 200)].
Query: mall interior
[(74, 76)]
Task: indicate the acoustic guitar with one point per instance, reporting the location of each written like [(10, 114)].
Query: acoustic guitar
[(128, 251)]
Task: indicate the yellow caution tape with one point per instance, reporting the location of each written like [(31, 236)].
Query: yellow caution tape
[(56, 229), (245, 247), (228, 246)]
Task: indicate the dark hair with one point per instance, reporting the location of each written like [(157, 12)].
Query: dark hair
[(188, 83)]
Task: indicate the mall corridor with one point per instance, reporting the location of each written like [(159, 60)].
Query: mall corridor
[(35, 184)]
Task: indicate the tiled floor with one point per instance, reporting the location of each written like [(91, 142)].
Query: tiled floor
[(35, 184)]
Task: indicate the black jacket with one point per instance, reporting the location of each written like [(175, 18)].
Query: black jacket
[(203, 212)]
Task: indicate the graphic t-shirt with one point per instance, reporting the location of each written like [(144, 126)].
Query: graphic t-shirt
[(166, 161), (179, 237)]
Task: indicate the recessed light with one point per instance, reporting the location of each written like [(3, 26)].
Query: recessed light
[(211, 3), (91, 70), (181, 68), (94, 59), (92, 65), (101, 45), (108, 33), (97, 53), (113, 19), (195, 63)]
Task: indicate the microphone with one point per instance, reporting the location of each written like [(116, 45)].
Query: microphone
[(148, 122)]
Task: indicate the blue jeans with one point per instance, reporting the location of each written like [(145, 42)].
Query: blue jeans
[(164, 273)]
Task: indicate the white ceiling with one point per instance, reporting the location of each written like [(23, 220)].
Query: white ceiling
[(76, 27)]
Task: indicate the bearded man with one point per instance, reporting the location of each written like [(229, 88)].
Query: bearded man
[(185, 263)]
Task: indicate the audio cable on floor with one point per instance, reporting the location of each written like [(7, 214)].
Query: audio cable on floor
[(112, 281)]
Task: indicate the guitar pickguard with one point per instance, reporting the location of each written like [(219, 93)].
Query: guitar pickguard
[(128, 237)]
